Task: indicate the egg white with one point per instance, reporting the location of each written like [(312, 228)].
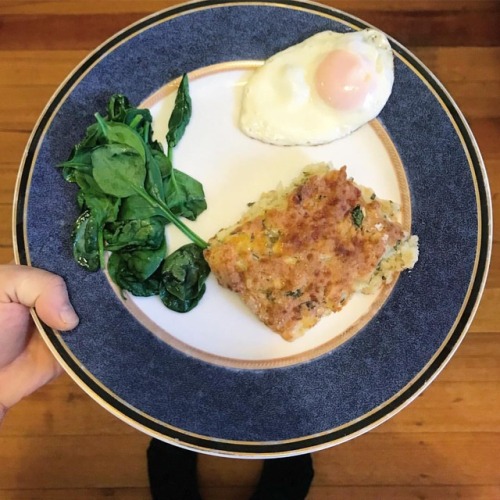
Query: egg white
[(281, 105)]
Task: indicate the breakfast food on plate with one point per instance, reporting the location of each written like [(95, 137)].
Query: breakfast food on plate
[(299, 253), (320, 89)]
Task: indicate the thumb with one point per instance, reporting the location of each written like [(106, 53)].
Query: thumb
[(44, 291)]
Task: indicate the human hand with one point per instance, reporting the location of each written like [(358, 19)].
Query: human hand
[(25, 361)]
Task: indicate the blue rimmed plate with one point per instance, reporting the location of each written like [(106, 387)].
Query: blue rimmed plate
[(215, 380)]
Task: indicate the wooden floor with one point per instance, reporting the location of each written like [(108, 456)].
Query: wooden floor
[(59, 444)]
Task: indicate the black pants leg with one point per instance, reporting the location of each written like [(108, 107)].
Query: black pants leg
[(172, 472), (285, 479)]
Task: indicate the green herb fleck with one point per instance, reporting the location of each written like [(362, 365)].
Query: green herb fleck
[(357, 215)]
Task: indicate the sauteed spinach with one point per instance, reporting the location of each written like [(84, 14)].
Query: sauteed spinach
[(128, 192)]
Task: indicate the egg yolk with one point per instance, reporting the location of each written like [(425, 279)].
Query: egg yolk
[(344, 79)]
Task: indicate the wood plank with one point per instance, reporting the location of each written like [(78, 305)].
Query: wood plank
[(475, 360), (486, 131), (476, 99), (77, 494), (77, 7), (8, 175), (21, 109), (215, 471), (496, 222), (493, 280), (6, 255), (461, 64), (119, 461), (62, 410), (447, 408), (5, 225), (479, 492), (27, 69), (73, 462), (60, 31), (411, 459), (493, 172), (486, 319), (13, 144), (56, 28)]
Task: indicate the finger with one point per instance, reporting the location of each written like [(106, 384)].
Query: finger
[(44, 291), (34, 368), (15, 325)]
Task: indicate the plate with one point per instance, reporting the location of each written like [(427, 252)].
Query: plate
[(234, 171), (215, 380)]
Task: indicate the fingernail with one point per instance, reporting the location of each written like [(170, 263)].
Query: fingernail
[(69, 316)]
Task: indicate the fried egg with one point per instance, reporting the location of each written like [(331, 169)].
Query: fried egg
[(319, 90)]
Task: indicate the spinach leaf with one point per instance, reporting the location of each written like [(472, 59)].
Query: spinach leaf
[(183, 278), (118, 105), (137, 271), (88, 231), (118, 170), (138, 119), (93, 137), (181, 114), (80, 158), (136, 207), (78, 168), (81, 175), (142, 122), (121, 274), (184, 195), (163, 162), (154, 182), (120, 133), (167, 213), (142, 263), (86, 181), (139, 233), (85, 239), (104, 208)]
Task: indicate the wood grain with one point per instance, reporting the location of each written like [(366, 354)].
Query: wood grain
[(59, 444)]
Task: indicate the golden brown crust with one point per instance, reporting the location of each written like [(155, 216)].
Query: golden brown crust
[(301, 257)]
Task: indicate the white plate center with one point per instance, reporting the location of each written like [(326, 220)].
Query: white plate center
[(234, 171)]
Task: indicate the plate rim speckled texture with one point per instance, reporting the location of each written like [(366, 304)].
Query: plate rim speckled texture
[(249, 419)]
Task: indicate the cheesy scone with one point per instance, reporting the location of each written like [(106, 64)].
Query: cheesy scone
[(300, 253)]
